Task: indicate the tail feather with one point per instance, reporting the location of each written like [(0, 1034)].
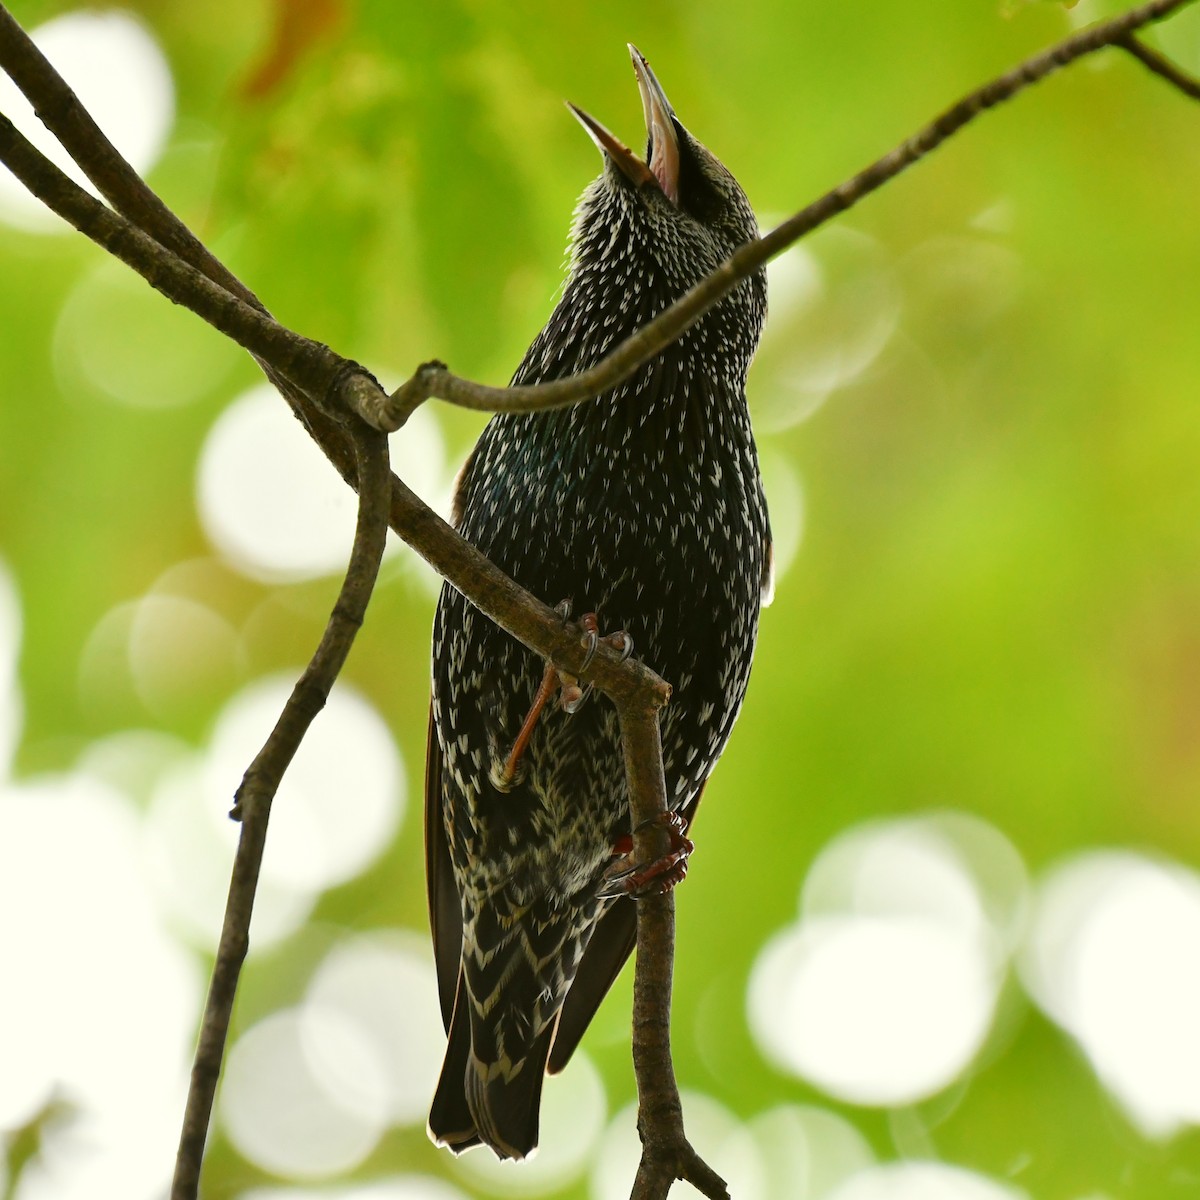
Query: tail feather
[(492, 1103), (450, 1121), (506, 1109)]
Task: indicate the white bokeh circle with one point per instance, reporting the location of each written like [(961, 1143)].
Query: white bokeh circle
[(274, 507), (341, 799), (103, 1026), (951, 867), (886, 988), (923, 1181), (276, 1107), (121, 77), (385, 984), (1112, 959), (268, 500), (873, 1010)]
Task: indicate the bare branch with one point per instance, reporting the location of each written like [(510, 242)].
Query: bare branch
[(258, 789), (434, 379), (1161, 65), (284, 354), (296, 357), (667, 1155), (314, 368), (61, 112)]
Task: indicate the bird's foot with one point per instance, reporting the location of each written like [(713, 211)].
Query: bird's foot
[(624, 877), (507, 774), (573, 695)]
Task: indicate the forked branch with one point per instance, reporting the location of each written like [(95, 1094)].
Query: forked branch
[(1160, 65), (667, 1154)]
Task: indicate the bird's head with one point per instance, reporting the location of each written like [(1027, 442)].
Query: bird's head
[(661, 223)]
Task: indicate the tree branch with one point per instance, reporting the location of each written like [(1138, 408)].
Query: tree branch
[(434, 379), (1160, 65), (667, 1155), (297, 358), (305, 369), (257, 790), (61, 112)]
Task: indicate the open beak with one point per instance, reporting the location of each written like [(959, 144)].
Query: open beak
[(660, 127), (633, 168), (663, 167)]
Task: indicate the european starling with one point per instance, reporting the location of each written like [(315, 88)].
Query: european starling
[(643, 506)]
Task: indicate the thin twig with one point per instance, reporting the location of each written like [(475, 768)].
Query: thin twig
[(292, 355), (61, 112), (258, 789), (667, 1155), (434, 379), (1161, 65)]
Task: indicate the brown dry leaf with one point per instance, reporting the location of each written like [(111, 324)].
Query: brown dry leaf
[(299, 25)]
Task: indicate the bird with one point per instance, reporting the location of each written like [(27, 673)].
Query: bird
[(643, 509)]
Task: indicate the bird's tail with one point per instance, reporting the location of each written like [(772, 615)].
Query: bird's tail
[(496, 1103)]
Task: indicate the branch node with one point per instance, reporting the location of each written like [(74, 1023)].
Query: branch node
[(411, 394), (353, 389), (1160, 65), (663, 1162)]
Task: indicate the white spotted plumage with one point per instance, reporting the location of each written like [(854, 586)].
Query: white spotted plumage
[(646, 507)]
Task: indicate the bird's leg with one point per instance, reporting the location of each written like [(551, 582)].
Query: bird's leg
[(507, 774), (655, 877)]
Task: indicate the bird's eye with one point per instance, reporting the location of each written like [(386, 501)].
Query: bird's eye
[(698, 194)]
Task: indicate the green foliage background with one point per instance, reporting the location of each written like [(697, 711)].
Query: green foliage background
[(995, 604)]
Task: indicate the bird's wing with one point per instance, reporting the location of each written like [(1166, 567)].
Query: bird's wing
[(445, 915), (458, 491), (610, 946), (768, 572), (602, 961)]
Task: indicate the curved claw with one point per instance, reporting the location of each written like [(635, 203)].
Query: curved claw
[(574, 697), (590, 639), (622, 643), (662, 875), (590, 624)]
